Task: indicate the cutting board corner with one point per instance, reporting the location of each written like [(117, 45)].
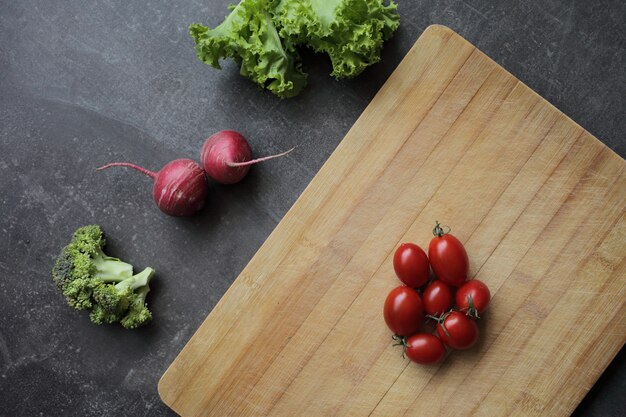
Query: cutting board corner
[(164, 390)]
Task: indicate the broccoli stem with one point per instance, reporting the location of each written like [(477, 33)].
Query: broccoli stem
[(136, 281), (110, 269), (141, 292)]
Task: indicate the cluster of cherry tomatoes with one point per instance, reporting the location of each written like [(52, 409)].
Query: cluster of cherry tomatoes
[(450, 300)]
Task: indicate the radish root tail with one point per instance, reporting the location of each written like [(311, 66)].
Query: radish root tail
[(256, 161), (144, 171)]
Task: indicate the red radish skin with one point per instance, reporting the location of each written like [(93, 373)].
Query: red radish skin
[(180, 187), (226, 157)]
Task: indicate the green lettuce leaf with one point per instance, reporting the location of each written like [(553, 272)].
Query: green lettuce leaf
[(248, 35), (351, 32), (262, 35)]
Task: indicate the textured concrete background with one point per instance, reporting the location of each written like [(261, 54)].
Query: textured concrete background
[(87, 82)]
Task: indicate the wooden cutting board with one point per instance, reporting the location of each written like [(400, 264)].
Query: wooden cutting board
[(539, 204)]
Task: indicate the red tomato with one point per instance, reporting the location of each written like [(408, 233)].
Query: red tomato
[(425, 348), (437, 298), (460, 331), (411, 265), (472, 298), (448, 257), (403, 311)]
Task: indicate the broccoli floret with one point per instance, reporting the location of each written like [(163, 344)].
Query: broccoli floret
[(138, 313), (78, 293), (89, 241), (82, 264), (115, 300), (90, 279), (100, 315)]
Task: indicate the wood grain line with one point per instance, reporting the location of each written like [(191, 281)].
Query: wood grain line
[(596, 264), (490, 326), (553, 265), (523, 116), (584, 312), (456, 370), (436, 368), (594, 351), (476, 228), (284, 389), (390, 248), (363, 399)]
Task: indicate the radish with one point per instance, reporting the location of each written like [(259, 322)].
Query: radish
[(227, 157), (180, 187)]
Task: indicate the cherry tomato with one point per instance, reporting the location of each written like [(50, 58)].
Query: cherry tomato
[(425, 348), (448, 257), (403, 311), (460, 331), (411, 265), (472, 298), (437, 298)]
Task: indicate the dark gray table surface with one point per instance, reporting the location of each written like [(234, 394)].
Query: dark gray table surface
[(83, 83)]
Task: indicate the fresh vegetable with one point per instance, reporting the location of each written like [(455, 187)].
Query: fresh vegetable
[(437, 298), (423, 348), (473, 298), (262, 35), (448, 257), (455, 326), (226, 157), (457, 330), (180, 187), (351, 32), (403, 311), (250, 37), (411, 265), (90, 279), (123, 302)]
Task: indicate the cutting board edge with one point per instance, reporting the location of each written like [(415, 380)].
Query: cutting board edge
[(446, 29)]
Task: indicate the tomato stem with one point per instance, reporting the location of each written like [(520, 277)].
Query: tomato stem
[(441, 320), (400, 341), (437, 319), (439, 229), (445, 329), (472, 311)]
